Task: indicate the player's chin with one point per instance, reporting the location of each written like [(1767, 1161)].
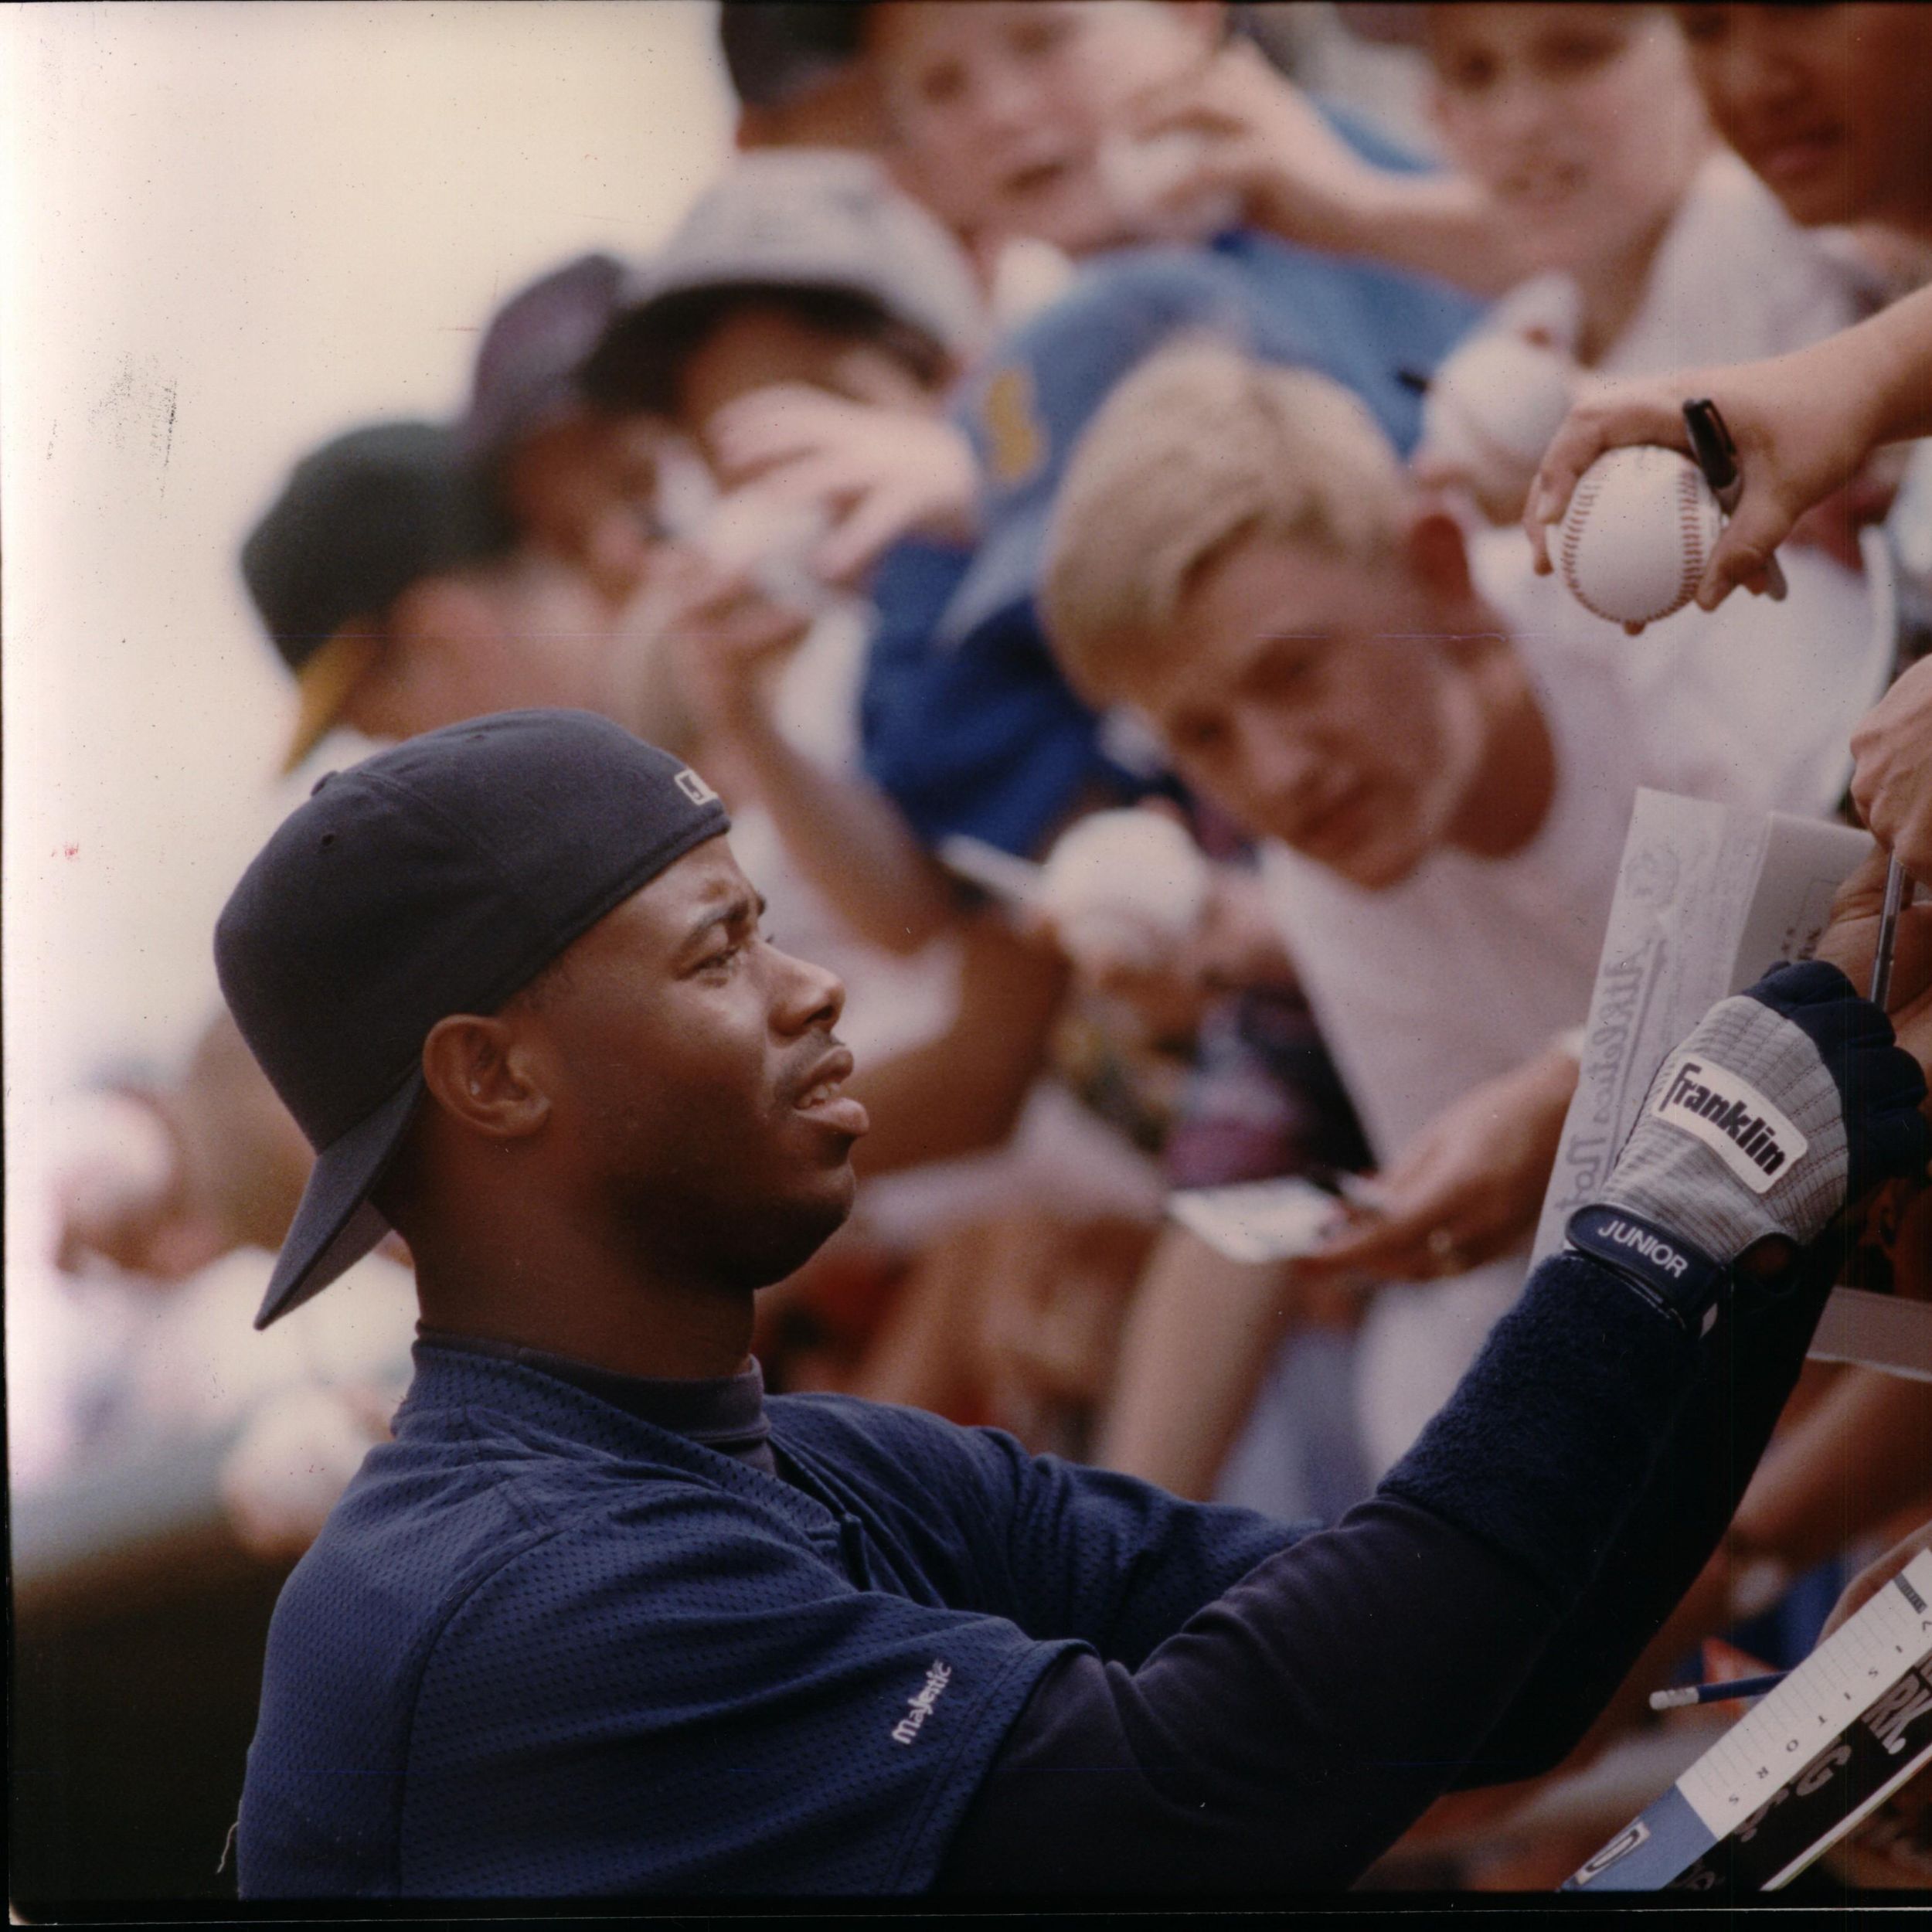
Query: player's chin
[(789, 1237)]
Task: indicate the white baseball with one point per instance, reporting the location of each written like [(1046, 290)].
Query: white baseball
[(1506, 397), (1640, 529), (1125, 886)]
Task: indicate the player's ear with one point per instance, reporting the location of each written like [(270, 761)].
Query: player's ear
[(484, 1072), (1437, 558)]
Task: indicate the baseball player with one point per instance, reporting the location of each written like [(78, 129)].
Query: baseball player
[(602, 1620)]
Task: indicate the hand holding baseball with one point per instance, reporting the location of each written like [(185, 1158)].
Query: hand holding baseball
[(726, 641), (1803, 424), (1124, 891), (1639, 536), (1245, 131)]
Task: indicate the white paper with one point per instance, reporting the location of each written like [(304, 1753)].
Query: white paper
[(1257, 1221), (1839, 1681), (1709, 897)]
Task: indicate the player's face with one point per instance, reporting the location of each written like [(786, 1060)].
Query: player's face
[(1582, 121), (1000, 106), (1318, 703), (694, 1076), (1832, 105), (586, 489)]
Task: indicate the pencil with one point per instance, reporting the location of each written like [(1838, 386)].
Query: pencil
[(1670, 1700)]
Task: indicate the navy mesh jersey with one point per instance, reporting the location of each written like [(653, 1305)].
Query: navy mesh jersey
[(543, 1648)]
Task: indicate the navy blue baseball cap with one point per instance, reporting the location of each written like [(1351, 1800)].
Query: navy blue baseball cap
[(437, 877)]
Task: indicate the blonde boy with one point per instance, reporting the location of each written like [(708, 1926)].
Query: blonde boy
[(1441, 787)]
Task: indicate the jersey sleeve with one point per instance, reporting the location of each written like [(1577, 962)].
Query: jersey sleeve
[(1064, 1551), (1290, 1731)]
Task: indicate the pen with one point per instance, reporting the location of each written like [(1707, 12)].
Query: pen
[(1671, 1700), (1888, 935), (1716, 455)]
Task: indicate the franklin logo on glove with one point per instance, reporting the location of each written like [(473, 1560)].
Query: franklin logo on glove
[(1787, 1102), (1754, 1139)]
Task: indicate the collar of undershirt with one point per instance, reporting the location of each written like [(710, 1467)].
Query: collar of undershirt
[(726, 1413)]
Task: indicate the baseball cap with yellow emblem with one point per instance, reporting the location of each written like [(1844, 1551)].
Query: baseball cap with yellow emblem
[(357, 521), (1024, 408)]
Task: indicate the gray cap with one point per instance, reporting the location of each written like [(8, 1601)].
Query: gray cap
[(822, 221)]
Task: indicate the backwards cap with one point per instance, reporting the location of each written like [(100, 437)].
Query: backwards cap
[(437, 877)]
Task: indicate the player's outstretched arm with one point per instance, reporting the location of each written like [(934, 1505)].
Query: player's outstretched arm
[(1803, 424), (1291, 1730)]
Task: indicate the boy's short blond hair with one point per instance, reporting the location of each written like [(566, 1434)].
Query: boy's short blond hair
[(1199, 446)]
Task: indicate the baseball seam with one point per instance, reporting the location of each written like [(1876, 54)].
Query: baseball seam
[(1692, 524), (1581, 504)]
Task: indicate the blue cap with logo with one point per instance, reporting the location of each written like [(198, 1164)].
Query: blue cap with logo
[(1370, 330)]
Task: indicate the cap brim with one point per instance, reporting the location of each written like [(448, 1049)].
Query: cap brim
[(322, 686), (337, 1224), (1004, 571)]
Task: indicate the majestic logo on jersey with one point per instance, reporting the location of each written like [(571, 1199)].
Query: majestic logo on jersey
[(1015, 442), (693, 787), (918, 1706), (1729, 1115)]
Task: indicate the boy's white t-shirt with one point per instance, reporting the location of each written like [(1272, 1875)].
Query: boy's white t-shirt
[(1734, 279), (1468, 968)]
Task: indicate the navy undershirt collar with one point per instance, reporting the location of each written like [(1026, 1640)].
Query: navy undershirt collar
[(726, 1413)]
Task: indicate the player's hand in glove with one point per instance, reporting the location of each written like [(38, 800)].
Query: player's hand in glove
[(1785, 1102)]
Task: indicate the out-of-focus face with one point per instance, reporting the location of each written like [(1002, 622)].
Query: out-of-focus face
[(755, 347), (1584, 121), (1319, 703), (585, 488), (531, 632), (1000, 106), (1832, 105), (695, 1076)]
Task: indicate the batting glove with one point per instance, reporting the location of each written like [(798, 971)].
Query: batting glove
[(1786, 1101)]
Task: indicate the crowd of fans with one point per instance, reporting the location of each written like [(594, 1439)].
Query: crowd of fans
[(1054, 410)]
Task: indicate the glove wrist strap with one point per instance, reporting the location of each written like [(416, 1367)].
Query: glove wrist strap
[(1678, 1279)]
